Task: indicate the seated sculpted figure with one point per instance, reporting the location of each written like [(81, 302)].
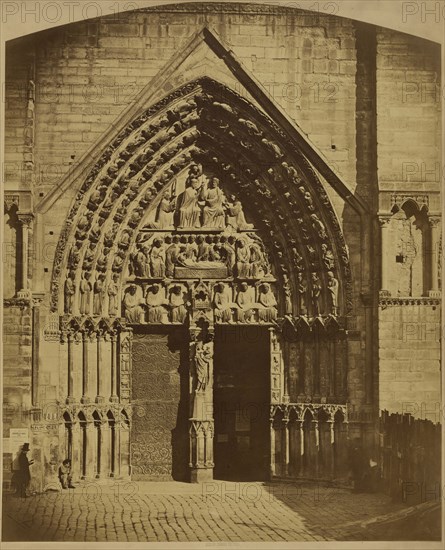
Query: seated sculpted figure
[(246, 303), (223, 303), (243, 260), (189, 210), (156, 302), (178, 311), (235, 215), (268, 312), (213, 211), (164, 212), (133, 310)]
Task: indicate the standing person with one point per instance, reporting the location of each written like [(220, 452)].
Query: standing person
[(357, 465), (65, 474), (23, 475)]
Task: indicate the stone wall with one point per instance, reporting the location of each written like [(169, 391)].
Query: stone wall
[(408, 112), (409, 165), (410, 359)]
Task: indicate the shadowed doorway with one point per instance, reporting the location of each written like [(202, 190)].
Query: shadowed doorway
[(241, 403)]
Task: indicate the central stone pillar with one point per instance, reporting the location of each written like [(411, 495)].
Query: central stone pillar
[(201, 427)]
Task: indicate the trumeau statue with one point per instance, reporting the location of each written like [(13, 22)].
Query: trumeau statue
[(203, 363)]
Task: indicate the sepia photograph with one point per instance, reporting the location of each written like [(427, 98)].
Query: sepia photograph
[(221, 273)]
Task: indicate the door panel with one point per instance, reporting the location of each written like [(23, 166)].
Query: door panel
[(159, 433)]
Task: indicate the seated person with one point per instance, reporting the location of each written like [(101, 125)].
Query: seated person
[(65, 474)]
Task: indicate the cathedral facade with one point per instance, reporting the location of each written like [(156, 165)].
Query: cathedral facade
[(222, 242)]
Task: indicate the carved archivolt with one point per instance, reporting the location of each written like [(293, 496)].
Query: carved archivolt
[(265, 192)]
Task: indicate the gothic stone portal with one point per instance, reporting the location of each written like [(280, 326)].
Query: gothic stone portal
[(200, 215)]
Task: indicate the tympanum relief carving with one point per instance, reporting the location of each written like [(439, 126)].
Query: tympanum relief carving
[(173, 197)]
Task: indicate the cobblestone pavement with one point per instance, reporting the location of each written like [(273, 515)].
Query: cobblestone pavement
[(212, 511)]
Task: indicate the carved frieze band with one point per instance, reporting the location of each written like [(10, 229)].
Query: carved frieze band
[(299, 410)]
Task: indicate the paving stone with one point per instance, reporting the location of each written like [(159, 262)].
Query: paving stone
[(174, 513)]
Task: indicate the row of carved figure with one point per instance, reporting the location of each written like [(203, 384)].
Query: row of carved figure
[(241, 256), (157, 304), (93, 297), (315, 287), (98, 297)]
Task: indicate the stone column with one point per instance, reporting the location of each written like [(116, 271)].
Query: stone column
[(286, 455), (76, 450), (114, 397), (25, 222), (70, 396), (272, 447), (332, 432), (384, 227), (201, 406), (90, 449), (302, 449), (435, 226), (85, 375), (99, 378), (317, 444)]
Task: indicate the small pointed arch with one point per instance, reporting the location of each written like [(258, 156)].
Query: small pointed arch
[(323, 415), (339, 416), (67, 418), (307, 415), (332, 326), (125, 417)]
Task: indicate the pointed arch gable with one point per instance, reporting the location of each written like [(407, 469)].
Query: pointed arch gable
[(203, 121)]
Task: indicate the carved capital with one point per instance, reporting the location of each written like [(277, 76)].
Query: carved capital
[(434, 221), (384, 220), (25, 218), (11, 200)]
